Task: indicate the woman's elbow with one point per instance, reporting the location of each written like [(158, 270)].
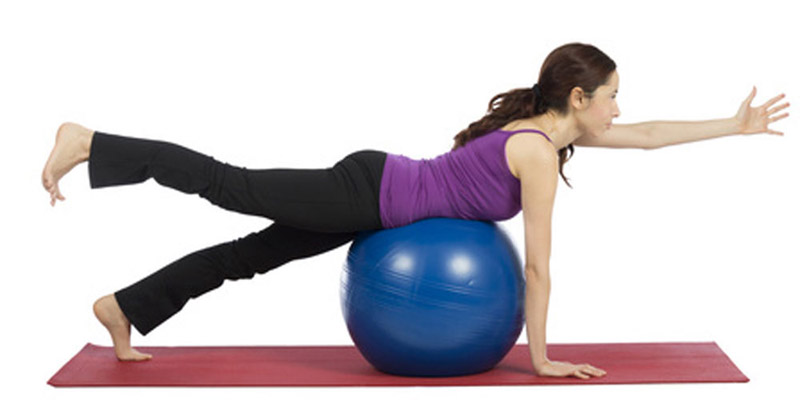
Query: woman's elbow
[(537, 273)]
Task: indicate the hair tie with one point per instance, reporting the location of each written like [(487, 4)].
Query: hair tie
[(539, 103), (537, 90)]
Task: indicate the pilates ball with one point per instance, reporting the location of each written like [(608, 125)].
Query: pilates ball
[(438, 297)]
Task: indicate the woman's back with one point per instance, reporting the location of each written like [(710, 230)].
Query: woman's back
[(471, 182)]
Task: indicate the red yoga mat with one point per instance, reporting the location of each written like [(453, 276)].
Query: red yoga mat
[(344, 366)]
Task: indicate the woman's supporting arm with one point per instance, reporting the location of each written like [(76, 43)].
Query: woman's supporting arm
[(537, 299), (538, 172)]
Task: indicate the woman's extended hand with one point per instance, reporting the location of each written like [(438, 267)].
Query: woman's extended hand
[(563, 369), (757, 119)]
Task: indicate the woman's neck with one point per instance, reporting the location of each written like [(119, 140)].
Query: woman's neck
[(562, 130)]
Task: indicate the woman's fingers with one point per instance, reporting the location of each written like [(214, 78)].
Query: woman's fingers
[(565, 369), (778, 108), (597, 371), (592, 370), (581, 375), (586, 371), (750, 98), (773, 100), (779, 117)]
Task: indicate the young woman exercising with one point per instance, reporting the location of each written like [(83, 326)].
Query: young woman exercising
[(507, 161)]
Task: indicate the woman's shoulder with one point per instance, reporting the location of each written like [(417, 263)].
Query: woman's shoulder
[(529, 150)]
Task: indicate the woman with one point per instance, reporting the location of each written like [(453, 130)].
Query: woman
[(507, 161)]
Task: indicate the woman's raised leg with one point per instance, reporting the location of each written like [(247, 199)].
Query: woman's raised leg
[(343, 198)]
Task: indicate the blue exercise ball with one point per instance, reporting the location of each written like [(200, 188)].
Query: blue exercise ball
[(438, 297)]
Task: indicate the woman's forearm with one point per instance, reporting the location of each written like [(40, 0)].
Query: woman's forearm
[(667, 133), (537, 297)]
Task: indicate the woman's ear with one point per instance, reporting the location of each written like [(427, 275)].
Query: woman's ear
[(578, 98)]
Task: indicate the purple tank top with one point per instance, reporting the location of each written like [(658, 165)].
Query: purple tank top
[(470, 182)]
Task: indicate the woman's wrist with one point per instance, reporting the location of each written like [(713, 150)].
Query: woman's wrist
[(539, 364), (736, 126)]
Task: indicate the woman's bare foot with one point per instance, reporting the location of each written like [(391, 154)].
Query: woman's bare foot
[(73, 143), (110, 315)]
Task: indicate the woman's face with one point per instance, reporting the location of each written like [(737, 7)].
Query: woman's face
[(602, 108)]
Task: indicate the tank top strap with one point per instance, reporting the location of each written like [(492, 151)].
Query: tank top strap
[(527, 130)]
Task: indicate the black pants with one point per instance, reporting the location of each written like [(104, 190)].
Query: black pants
[(313, 211)]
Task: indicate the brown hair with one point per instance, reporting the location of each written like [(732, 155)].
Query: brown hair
[(569, 66)]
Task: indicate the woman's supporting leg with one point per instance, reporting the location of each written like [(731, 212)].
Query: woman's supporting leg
[(343, 198), (151, 301), (107, 311)]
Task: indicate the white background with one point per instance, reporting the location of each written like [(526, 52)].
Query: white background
[(696, 242)]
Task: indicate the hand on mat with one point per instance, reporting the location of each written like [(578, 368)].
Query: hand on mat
[(757, 119), (564, 369)]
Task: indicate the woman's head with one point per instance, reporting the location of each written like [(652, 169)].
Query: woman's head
[(575, 78), (582, 80)]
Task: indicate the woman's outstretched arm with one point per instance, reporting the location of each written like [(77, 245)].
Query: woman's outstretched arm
[(656, 134), (748, 120)]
